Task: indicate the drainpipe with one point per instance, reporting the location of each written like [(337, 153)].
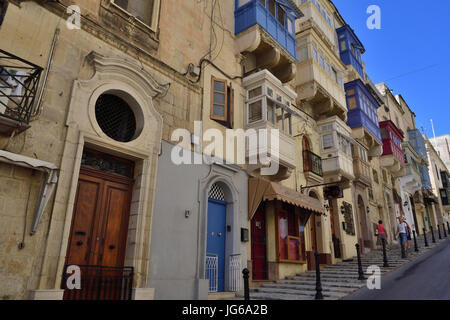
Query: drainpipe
[(47, 188)]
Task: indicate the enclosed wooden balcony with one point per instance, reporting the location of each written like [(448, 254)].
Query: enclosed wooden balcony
[(393, 157), (270, 117), (412, 179), (265, 36), (361, 166), (337, 160)]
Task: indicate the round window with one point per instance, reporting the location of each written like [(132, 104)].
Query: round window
[(115, 118)]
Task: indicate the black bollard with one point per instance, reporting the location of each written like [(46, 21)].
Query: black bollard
[(432, 234), (245, 273), (425, 237), (439, 232), (319, 295), (416, 249), (445, 232), (385, 260), (448, 228), (360, 269)]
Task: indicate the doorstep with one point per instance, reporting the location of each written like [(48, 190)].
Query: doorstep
[(221, 295)]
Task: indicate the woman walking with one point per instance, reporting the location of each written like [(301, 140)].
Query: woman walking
[(381, 234)]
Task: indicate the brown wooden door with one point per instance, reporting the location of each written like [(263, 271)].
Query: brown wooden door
[(313, 233), (258, 238), (100, 222)]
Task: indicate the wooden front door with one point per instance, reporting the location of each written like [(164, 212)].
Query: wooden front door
[(99, 228), (259, 255), (100, 222)]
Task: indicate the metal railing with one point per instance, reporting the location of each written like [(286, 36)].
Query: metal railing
[(235, 273), (100, 283), (19, 81), (312, 163), (212, 271)]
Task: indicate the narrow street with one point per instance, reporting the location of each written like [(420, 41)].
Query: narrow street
[(426, 278)]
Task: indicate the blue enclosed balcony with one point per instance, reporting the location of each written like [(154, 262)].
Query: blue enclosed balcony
[(426, 181), (418, 143), (351, 48), (362, 116), (265, 35)]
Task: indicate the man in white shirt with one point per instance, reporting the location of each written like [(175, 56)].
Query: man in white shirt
[(401, 231)]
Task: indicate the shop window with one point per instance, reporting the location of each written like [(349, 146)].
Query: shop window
[(291, 236)]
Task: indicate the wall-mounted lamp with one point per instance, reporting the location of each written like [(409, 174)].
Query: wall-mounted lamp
[(342, 209), (368, 209), (187, 213), (405, 204)]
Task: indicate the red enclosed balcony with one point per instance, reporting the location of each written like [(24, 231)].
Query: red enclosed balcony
[(393, 156)]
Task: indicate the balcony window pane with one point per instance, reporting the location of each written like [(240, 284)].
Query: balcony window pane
[(255, 111), (328, 141), (352, 103), (255, 93), (303, 54), (343, 45), (281, 16), (290, 26), (271, 112), (272, 7)]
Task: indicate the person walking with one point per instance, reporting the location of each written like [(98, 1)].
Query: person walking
[(381, 234), (408, 235), (401, 232)]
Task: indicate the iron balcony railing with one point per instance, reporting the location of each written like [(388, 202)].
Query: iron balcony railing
[(19, 81), (312, 163), (100, 283)]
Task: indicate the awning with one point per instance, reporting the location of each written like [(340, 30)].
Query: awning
[(264, 190), (27, 162), (48, 184)]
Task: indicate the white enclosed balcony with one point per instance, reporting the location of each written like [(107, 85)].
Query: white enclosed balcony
[(337, 160), (268, 109)]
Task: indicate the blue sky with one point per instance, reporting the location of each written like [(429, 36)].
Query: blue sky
[(411, 53)]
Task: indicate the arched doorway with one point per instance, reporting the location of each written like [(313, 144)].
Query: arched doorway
[(363, 223), (216, 238)]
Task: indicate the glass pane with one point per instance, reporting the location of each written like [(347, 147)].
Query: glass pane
[(283, 238), (219, 111), (255, 111), (219, 86), (219, 98), (255, 93), (294, 249), (328, 141), (270, 112)]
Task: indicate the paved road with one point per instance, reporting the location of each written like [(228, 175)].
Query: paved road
[(427, 278)]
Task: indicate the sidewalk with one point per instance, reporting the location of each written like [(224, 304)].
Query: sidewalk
[(339, 280)]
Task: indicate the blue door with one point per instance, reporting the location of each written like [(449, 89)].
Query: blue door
[(215, 245)]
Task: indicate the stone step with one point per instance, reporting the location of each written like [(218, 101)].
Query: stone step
[(267, 296), (310, 293), (307, 287), (327, 283)]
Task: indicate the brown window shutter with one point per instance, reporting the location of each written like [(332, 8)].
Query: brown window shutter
[(219, 100), (231, 108)]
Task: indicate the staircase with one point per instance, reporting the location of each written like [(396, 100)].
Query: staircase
[(338, 280)]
